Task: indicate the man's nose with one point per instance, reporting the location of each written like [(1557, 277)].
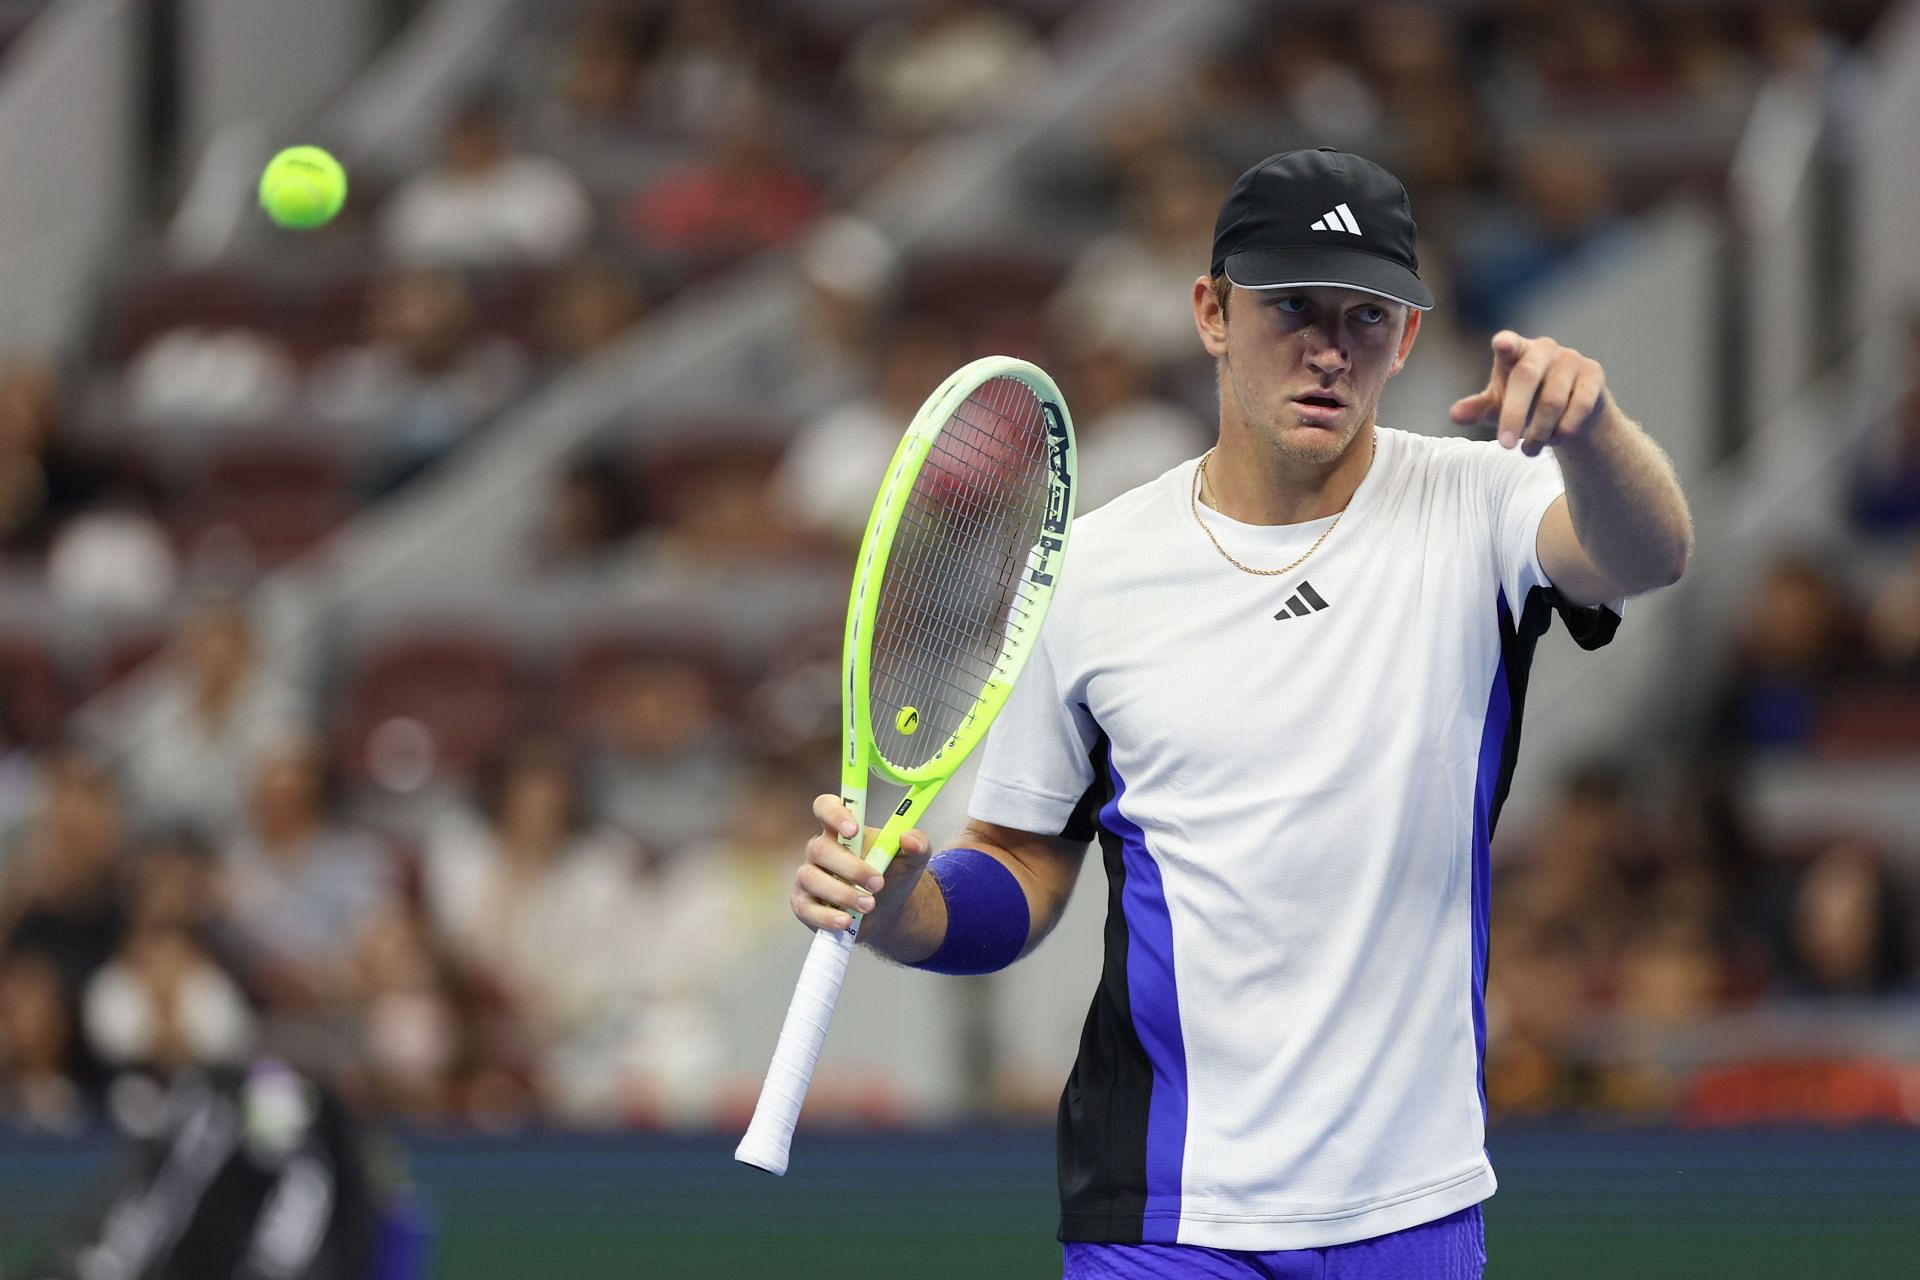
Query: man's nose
[(1326, 354)]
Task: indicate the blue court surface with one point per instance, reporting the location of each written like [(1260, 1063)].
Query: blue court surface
[(1573, 1202)]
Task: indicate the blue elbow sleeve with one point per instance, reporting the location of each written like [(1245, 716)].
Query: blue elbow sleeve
[(987, 916)]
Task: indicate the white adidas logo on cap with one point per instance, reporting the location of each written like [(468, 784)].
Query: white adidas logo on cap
[(1338, 218)]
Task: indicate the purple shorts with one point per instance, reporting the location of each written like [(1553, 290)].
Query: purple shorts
[(1449, 1248)]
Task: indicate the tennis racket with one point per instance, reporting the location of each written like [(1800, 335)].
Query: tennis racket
[(954, 575)]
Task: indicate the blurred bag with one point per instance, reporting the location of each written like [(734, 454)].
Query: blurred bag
[(255, 1174)]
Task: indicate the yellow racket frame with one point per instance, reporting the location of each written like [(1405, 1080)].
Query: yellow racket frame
[(860, 754)]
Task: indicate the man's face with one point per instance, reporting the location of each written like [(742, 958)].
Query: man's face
[(1303, 368)]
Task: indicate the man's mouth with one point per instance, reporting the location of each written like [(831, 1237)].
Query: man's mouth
[(1319, 409)]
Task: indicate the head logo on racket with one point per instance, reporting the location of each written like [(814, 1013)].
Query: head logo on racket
[(1053, 524)]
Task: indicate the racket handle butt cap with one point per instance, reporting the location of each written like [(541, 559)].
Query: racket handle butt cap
[(761, 1155)]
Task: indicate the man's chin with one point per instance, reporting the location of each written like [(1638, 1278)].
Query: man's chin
[(1311, 440)]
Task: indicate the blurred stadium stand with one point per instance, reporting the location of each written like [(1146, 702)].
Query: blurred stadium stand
[(506, 456)]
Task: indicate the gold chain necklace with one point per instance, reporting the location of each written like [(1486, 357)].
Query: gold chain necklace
[(1200, 480)]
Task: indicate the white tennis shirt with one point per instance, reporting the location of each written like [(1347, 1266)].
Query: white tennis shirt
[(1294, 780)]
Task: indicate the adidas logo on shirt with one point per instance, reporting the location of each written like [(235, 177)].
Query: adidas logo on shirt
[(1303, 601), (1338, 218)]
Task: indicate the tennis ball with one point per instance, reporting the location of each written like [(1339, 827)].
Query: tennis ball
[(908, 721), (302, 188)]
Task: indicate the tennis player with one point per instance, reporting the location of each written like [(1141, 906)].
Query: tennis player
[(1282, 685)]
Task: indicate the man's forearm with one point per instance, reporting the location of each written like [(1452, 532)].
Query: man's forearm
[(1626, 504), (912, 931), (981, 904)]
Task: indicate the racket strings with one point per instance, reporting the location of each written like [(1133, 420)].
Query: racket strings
[(988, 528), (931, 640), (947, 658), (964, 513), (956, 587), (983, 527)]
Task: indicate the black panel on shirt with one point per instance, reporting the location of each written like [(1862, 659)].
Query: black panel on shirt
[(1103, 1109), (1591, 627)]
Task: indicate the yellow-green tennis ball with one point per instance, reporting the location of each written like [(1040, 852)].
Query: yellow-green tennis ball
[(908, 721), (303, 187)]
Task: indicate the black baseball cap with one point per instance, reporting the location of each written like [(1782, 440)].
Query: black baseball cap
[(1320, 218)]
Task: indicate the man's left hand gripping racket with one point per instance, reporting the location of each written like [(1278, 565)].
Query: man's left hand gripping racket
[(954, 576)]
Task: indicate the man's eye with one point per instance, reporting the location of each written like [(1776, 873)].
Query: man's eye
[(1372, 315), (1291, 304)]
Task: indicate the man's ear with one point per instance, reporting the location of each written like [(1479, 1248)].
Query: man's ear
[(1406, 340), (1209, 317)]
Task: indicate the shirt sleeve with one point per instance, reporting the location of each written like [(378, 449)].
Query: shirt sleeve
[(1519, 490), (1037, 761)]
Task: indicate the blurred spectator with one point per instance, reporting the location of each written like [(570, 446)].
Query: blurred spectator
[(547, 908), (1670, 973), (661, 763), (1671, 978), (194, 376), (851, 275), (1126, 436), (741, 195), (729, 890), (1850, 932), (1142, 131), (61, 898), (591, 512), (707, 66), (1581, 55), (714, 516), (162, 1004), (300, 887), (1886, 481), (16, 779), (424, 378), (1449, 171), (413, 1030), (1707, 62), (1572, 879), (1574, 933), (1712, 869), (43, 478), (485, 204), (530, 893), (602, 65), (1559, 208), (113, 556), (191, 742), (1133, 287), (794, 702), (1407, 49), (38, 1071), (1537, 1000), (1322, 91), (1790, 647), (945, 62), (1794, 46), (61, 908), (716, 905), (827, 478), (589, 305), (1893, 622)]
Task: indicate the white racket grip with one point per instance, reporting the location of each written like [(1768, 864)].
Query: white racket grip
[(770, 1134)]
